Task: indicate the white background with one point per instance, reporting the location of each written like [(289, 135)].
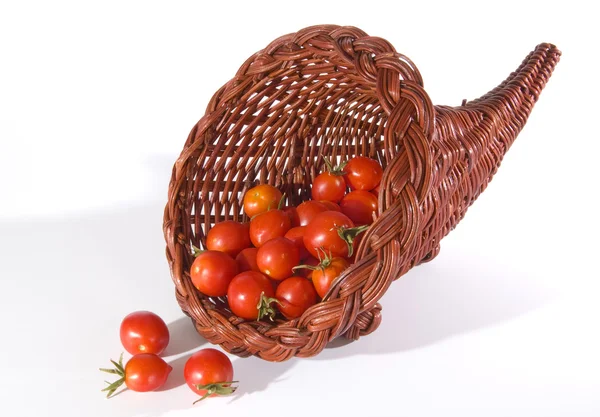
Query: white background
[(96, 101)]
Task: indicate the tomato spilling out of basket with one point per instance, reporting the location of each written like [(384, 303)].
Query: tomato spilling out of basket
[(285, 259)]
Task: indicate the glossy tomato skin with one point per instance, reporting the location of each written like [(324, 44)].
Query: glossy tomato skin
[(146, 372), (246, 260), (295, 296), (296, 235), (229, 237), (360, 206), (363, 173), (375, 190), (207, 366), (307, 272), (322, 232), (331, 206), (245, 292), (144, 332), (323, 278), (261, 198), (212, 271), (329, 187), (308, 210), (269, 225), (277, 257)]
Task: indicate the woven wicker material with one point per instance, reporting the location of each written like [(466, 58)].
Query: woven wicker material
[(330, 91)]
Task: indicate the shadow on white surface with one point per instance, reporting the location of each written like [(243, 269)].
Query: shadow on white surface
[(183, 337), (444, 299), (256, 375), (88, 257)]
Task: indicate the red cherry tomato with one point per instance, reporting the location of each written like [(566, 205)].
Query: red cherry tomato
[(307, 272), (144, 372), (144, 332), (277, 257), (328, 186), (293, 214), (212, 272), (246, 260), (209, 373), (308, 210), (363, 173), (261, 198), (323, 277), (296, 235), (267, 226), (331, 206), (324, 232), (360, 206), (229, 237), (245, 293), (295, 296)]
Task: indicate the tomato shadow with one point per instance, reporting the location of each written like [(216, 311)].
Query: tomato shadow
[(453, 295), (183, 337)]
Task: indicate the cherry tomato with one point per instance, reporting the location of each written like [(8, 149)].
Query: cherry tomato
[(245, 292), (144, 372), (359, 206), (329, 186), (331, 206), (268, 225), (375, 190), (307, 272), (277, 257), (212, 272), (363, 173), (144, 332), (246, 260), (295, 296), (209, 373), (323, 277), (229, 237), (308, 210), (326, 231), (296, 235), (293, 214), (261, 198)]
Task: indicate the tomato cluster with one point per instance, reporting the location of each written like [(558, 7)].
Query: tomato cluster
[(208, 372), (286, 258)]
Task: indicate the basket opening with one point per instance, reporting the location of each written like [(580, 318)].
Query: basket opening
[(277, 130)]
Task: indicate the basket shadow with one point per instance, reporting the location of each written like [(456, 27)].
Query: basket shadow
[(256, 374), (183, 337), (443, 299)]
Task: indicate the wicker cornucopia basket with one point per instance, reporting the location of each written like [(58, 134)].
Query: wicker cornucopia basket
[(331, 91)]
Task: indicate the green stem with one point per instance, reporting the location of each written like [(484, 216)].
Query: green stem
[(349, 234), (216, 388), (264, 307), (335, 170), (196, 251), (118, 370)]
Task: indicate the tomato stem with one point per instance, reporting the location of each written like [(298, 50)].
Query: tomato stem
[(196, 251), (281, 201), (216, 388), (118, 370), (349, 234), (324, 262), (335, 170), (264, 307)]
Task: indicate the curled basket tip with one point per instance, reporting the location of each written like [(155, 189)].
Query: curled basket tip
[(333, 91)]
